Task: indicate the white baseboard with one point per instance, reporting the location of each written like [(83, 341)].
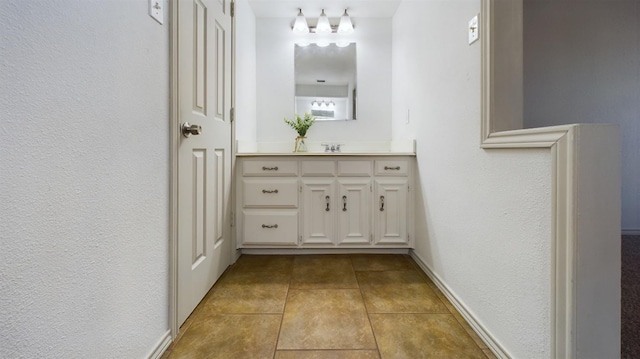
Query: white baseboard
[(161, 346), (631, 232), (477, 327)]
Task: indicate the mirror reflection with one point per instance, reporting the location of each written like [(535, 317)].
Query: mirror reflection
[(326, 81)]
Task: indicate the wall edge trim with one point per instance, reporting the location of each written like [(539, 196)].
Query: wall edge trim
[(631, 232), (482, 332), (161, 346)]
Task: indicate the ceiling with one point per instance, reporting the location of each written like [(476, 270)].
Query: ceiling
[(333, 8)]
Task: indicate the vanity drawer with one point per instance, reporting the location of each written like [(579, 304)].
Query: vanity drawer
[(354, 168), (270, 228), (280, 168), (392, 168), (270, 193), (318, 168)]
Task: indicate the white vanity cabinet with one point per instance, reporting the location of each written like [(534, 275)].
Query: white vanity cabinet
[(324, 201), (268, 202), (336, 202)]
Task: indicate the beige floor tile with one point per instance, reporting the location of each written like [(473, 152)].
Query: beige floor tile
[(258, 263), (323, 272), (248, 292), (459, 318), (467, 328), (422, 336), (325, 319), (489, 354), (229, 336), (380, 262), (398, 292), (327, 354)]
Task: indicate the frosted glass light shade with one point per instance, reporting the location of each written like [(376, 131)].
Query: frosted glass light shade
[(345, 27), (300, 26), (323, 27)]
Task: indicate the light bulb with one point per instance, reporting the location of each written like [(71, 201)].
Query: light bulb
[(322, 43), (323, 27), (303, 43), (345, 27), (342, 43), (300, 26)]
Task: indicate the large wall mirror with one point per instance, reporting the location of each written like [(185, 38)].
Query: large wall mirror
[(326, 81)]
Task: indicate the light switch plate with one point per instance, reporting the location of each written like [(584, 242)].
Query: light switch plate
[(473, 30), (156, 10)]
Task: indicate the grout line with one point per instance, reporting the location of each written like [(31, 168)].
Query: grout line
[(284, 307), (366, 309)]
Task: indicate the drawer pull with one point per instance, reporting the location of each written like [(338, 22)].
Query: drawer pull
[(381, 203), (396, 168), (269, 191), (328, 201), (269, 226), (344, 203), (269, 168)]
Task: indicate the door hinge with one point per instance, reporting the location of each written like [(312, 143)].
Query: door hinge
[(233, 219), (370, 238), (233, 9), (300, 188), (370, 188), (408, 188), (300, 239), (232, 114)]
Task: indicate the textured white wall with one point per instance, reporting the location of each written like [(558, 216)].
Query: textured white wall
[(483, 216), (83, 179), (276, 84), (245, 72), (581, 61)]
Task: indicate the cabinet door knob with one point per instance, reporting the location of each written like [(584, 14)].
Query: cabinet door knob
[(344, 203), (269, 226), (381, 203), (328, 201)]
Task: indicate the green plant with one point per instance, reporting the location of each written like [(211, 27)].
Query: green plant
[(301, 125)]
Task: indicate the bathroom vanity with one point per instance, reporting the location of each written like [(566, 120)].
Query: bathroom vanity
[(324, 200)]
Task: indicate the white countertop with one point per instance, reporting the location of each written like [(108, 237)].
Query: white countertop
[(316, 148)]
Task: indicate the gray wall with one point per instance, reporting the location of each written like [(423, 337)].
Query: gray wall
[(84, 169), (582, 65)]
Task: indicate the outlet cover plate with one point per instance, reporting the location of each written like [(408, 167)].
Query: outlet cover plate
[(473, 30), (156, 10)]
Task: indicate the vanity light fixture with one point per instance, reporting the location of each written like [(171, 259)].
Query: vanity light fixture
[(345, 27), (323, 27), (300, 26)]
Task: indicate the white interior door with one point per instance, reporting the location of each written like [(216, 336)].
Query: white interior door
[(204, 160)]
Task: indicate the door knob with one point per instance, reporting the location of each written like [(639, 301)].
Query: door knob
[(188, 129)]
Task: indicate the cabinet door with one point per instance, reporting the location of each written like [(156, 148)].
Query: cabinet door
[(354, 210), (319, 206), (391, 212)]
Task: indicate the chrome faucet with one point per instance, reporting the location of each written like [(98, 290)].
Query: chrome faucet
[(331, 147)]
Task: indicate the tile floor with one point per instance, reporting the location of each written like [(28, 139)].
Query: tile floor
[(326, 306)]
